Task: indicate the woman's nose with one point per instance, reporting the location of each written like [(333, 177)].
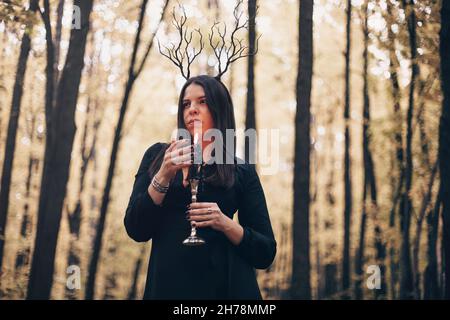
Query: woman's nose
[(193, 108)]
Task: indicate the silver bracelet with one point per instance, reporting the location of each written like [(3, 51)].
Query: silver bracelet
[(158, 186)]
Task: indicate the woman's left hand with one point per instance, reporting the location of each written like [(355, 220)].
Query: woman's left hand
[(207, 214)]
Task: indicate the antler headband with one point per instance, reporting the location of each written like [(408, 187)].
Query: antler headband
[(233, 50)]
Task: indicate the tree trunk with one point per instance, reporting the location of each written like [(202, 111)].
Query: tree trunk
[(133, 73), (13, 123), (58, 35), (316, 222), (359, 257), (23, 254), (50, 83), (393, 241), (75, 217), (369, 208), (399, 165), (406, 276), (300, 282), (423, 210), (111, 277), (330, 286), (427, 196), (444, 139), (347, 161), (92, 122), (424, 141), (250, 113), (133, 290), (431, 283), (57, 158)]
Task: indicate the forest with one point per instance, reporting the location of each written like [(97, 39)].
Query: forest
[(358, 92)]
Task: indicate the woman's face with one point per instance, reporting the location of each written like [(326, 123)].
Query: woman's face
[(196, 113)]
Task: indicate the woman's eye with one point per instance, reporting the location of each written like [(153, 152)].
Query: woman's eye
[(186, 104)]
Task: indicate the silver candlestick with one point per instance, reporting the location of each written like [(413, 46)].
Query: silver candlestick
[(194, 177)]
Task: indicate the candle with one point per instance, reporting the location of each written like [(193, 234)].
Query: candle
[(196, 138)]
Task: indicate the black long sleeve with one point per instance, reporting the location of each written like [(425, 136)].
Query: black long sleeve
[(142, 214), (258, 246), (216, 270)]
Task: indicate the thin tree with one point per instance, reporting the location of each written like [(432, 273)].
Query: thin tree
[(426, 163), (427, 198), (133, 289), (369, 184), (316, 243), (406, 277), (301, 265), (331, 267), (347, 160), (13, 123), (23, 254), (74, 217), (250, 111), (60, 121), (57, 39), (398, 163), (430, 281), (111, 277)]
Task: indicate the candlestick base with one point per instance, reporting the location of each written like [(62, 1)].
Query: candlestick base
[(193, 241)]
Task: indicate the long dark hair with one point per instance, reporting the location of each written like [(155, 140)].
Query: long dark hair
[(221, 107)]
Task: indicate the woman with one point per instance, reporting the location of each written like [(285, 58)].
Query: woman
[(223, 267)]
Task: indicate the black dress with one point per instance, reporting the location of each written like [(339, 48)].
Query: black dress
[(218, 269)]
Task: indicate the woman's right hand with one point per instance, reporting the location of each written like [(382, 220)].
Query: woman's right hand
[(177, 156)]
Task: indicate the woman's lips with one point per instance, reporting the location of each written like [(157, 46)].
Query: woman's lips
[(191, 123)]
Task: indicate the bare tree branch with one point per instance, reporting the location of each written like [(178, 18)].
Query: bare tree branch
[(233, 49), (178, 53)]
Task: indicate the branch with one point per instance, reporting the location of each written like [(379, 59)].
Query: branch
[(178, 53)]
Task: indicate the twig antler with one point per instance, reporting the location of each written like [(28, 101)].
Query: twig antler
[(176, 53), (233, 49)]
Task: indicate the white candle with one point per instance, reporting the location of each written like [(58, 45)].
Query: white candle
[(196, 138)]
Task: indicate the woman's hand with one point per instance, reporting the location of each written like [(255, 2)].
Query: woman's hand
[(207, 214), (177, 156)]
